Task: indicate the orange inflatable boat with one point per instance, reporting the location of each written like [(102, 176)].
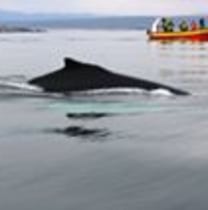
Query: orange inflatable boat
[(196, 35)]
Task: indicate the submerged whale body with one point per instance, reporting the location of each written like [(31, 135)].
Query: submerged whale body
[(78, 76)]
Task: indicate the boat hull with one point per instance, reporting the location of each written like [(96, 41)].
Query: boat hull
[(198, 35)]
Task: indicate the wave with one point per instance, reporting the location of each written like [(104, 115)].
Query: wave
[(17, 82), (124, 91), (18, 85), (162, 92)]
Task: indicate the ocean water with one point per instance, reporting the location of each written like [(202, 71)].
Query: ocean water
[(119, 149)]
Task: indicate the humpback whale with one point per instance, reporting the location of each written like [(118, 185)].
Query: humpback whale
[(78, 76)]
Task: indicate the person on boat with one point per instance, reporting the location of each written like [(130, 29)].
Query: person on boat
[(202, 23), (194, 25), (167, 25), (183, 26)]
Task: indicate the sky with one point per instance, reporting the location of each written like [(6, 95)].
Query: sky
[(109, 7)]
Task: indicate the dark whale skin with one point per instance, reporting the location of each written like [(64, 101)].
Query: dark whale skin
[(78, 76)]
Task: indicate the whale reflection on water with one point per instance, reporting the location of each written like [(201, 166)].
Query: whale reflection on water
[(79, 131), (87, 116)]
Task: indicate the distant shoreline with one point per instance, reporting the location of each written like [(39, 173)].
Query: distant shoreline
[(16, 29)]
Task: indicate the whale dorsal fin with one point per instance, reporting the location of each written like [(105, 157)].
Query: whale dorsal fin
[(71, 63)]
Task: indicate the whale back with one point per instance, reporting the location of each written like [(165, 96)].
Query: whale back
[(78, 76)]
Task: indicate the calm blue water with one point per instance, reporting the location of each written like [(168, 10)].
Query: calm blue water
[(146, 152)]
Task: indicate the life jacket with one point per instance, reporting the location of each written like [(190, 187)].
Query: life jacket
[(183, 26)]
